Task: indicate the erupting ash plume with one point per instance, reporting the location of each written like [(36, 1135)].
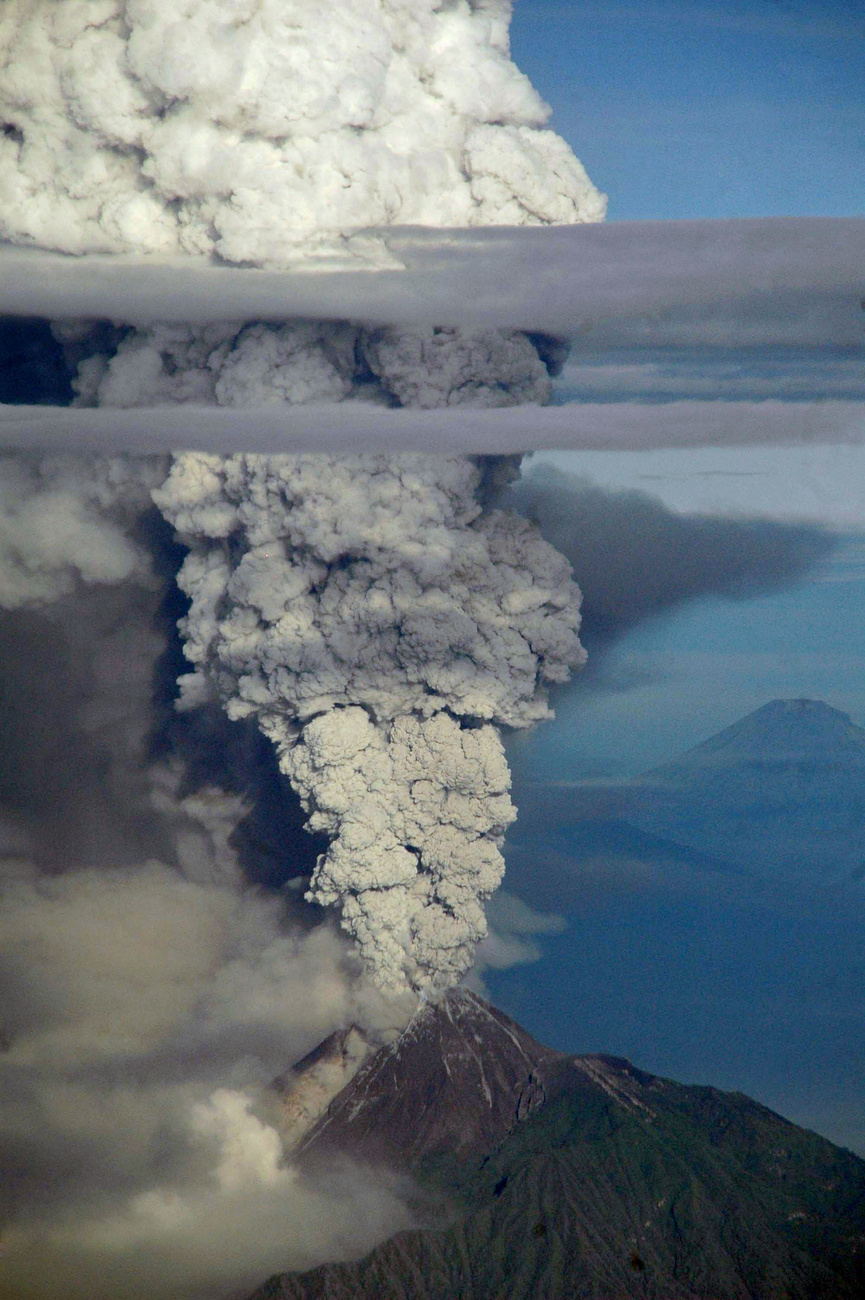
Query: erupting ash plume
[(379, 624), (374, 615), (255, 131), (227, 363), (270, 129)]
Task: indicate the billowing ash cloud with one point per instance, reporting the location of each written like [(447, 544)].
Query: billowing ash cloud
[(249, 129), (372, 616), (375, 619), (380, 625), (64, 520), (227, 363)]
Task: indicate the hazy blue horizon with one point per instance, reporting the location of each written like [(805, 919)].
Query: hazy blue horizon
[(678, 111)]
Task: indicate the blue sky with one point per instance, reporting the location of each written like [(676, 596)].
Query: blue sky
[(680, 110)]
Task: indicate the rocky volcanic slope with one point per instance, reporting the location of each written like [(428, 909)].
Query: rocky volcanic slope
[(582, 1177)]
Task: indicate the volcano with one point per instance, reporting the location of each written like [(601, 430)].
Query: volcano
[(782, 733), (778, 796), (781, 791), (579, 1177)]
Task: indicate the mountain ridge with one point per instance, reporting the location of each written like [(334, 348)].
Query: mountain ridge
[(581, 1178)]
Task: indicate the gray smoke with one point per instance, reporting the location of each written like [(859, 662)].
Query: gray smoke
[(380, 625), (227, 363), (638, 559), (148, 991), (65, 520)]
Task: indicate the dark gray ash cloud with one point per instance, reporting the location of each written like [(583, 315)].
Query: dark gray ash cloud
[(637, 559)]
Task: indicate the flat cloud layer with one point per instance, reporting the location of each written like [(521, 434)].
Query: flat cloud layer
[(352, 428), (787, 289), (791, 280)]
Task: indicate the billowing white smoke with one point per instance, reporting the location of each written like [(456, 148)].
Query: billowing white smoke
[(260, 131), (379, 624)]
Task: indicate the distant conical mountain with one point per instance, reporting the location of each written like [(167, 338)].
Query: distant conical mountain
[(782, 793), (781, 733), (581, 1178), (778, 796)]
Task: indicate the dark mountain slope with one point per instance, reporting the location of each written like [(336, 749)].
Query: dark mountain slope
[(585, 1178), (454, 1083)]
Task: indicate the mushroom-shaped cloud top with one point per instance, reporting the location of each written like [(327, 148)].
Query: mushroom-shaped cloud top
[(267, 130)]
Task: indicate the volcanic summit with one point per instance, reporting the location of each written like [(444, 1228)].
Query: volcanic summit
[(579, 1178)]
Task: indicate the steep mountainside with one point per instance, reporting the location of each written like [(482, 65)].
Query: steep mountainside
[(451, 1085), (583, 1177)]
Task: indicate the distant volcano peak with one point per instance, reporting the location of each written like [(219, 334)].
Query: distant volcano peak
[(800, 704), (792, 731), (780, 793)]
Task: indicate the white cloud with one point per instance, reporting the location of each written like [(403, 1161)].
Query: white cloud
[(247, 130), (513, 925)]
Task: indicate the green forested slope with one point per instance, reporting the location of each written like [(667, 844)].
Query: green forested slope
[(623, 1185)]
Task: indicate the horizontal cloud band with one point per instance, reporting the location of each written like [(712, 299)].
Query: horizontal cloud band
[(777, 279), (353, 427)]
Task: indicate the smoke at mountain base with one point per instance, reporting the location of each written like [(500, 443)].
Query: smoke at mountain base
[(140, 972)]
